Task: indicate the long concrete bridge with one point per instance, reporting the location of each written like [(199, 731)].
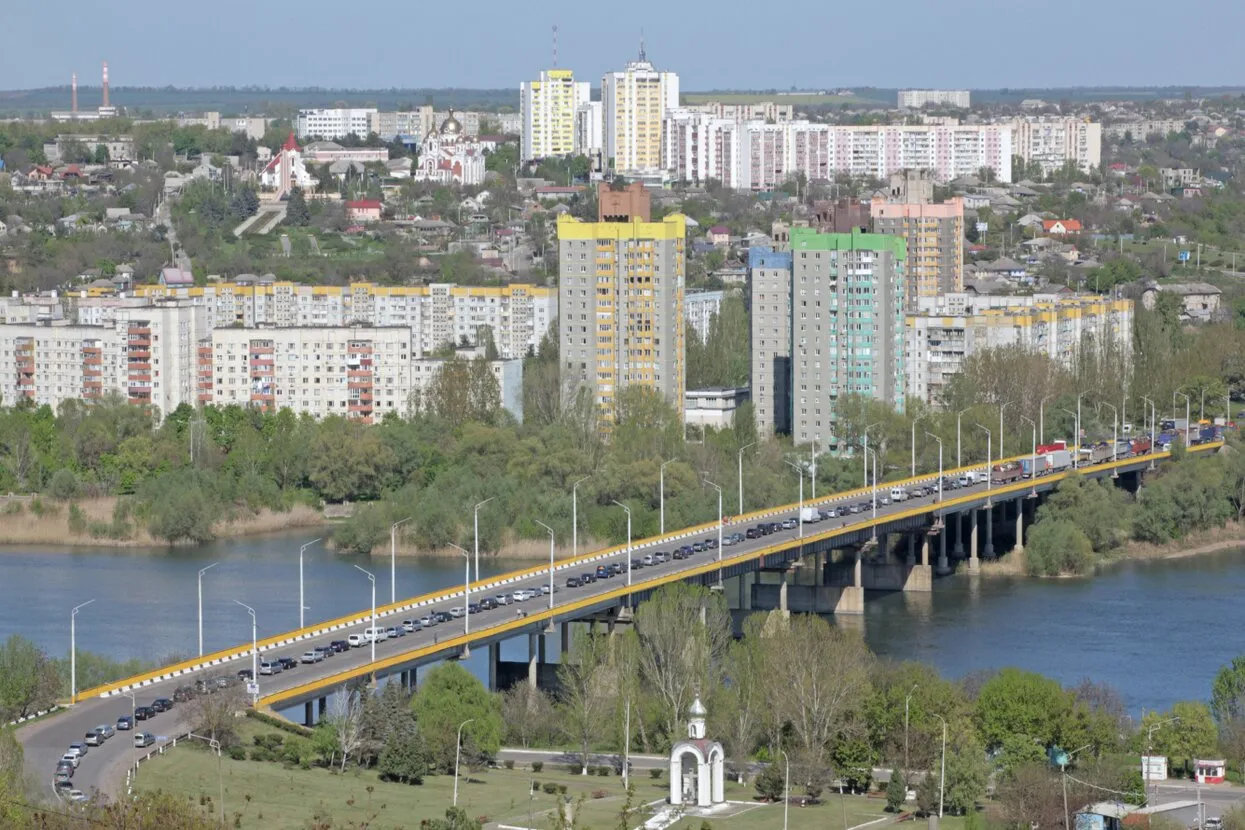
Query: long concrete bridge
[(901, 548)]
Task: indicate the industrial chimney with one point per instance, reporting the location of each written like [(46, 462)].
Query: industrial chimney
[(105, 103), (73, 94)]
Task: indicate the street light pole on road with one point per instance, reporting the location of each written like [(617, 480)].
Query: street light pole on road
[(628, 509), (372, 577), (302, 606), (73, 651), (661, 496), (551, 542), (466, 588), (719, 489), (393, 559), (939, 440), (254, 650), (202, 571), (741, 475), (575, 516), (476, 532), (458, 749)]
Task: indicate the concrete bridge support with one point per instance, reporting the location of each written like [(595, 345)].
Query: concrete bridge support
[(943, 566), (494, 659), (1020, 524), (535, 649), (988, 551), (959, 519), (564, 640), (974, 564)]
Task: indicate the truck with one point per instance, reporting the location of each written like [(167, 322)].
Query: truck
[(1165, 439), (971, 477), (1207, 434), (899, 494), (1174, 424), (809, 515), (1058, 461), (1006, 473), (1141, 445), (1043, 449), (1028, 466), (1096, 454)]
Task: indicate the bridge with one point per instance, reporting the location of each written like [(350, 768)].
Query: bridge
[(889, 547)]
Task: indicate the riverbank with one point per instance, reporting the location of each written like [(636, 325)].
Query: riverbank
[(48, 525)]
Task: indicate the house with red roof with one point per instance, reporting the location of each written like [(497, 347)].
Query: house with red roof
[(1061, 227), (363, 211), (719, 235)]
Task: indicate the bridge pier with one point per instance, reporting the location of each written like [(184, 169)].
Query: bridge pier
[(958, 551), (943, 566), (974, 564), (910, 560), (988, 551), (564, 640), (322, 706), (1020, 525), (308, 719), (494, 658), (535, 649)]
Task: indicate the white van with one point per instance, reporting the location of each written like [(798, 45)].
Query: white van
[(356, 640), (899, 494), (377, 634)]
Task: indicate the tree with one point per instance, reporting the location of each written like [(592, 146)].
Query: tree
[(449, 696), (1031, 797), (216, 715), (1021, 703), (1227, 695), (771, 783), (404, 757), (738, 710), (345, 718), (28, 680), (896, 790), (528, 715), (1192, 736), (585, 694), (927, 795), (464, 390), (297, 214), (1056, 547)]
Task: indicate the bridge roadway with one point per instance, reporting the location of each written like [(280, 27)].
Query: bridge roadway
[(45, 740)]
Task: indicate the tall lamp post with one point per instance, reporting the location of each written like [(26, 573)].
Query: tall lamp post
[(302, 606), (939, 440), (906, 701), (1002, 408), (628, 510), (466, 588), (800, 472), (551, 537), (786, 787), (393, 558), (1115, 434), (942, 775), (1076, 441), (254, 649), (989, 454), (73, 650), (1186, 414), (661, 496), (1145, 777), (741, 475), (202, 571), (914, 420), (1063, 774), (475, 523), (575, 516), (1042, 418), (372, 577), (1033, 457), (1154, 437), (719, 489), (866, 445), (874, 453), (812, 473), (458, 749), (958, 416)]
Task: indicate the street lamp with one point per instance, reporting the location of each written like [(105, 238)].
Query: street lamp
[(741, 475), (942, 775), (466, 588), (786, 788), (1042, 418), (1063, 769), (476, 532), (1033, 457), (866, 445), (458, 748), (133, 725), (372, 577), (254, 651), (393, 559), (958, 415), (548, 528), (874, 453), (575, 516), (719, 489), (628, 509), (1076, 441), (73, 651), (661, 496), (812, 476), (1145, 777), (1154, 438), (906, 701), (989, 454), (914, 420), (302, 606), (1002, 408), (1115, 434), (202, 571), (800, 472), (939, 440)]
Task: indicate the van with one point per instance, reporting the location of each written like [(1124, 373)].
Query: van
[(269, 668), (356, 640), (377, 634), (899, 494)]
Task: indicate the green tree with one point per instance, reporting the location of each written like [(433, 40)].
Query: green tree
[(1058, 547), (722, 356), (297, 213), (1194, 735), (1021, 703), (585, 695), (28, 680), (770, 783), (1227, 692), (404, 757), (449, 696), (896, 790)]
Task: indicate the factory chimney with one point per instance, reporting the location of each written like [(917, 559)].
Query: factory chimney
[(73, 94), (105, 104)]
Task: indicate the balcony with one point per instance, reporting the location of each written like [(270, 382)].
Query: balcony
[(361, 408), (139, 342), (360, 384)]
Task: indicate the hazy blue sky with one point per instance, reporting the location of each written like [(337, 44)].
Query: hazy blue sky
[(725, 44)]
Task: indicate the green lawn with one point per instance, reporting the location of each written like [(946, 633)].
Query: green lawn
[(270, 796)]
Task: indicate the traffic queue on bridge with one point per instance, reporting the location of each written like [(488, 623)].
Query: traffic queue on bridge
[(99, 736)]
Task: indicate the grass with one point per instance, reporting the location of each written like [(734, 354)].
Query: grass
[(269, 796)]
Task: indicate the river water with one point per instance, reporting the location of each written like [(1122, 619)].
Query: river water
[(1157, 631)]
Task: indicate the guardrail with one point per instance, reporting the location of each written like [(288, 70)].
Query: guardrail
[(426, 601)]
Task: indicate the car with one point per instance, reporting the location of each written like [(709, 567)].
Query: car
[(457, 612), (679, 554), (356, 640), (711, 544), (503, 599), (267, 668), (162, 704), (61, 778), (327, 651), (93, 738), (79, 748), (183, 693), (287, 663), (66, 767), (143, 739), (855, 508), (125, 723), (245, 674), (636, 564), (1213, 823), (409, 626), (698, 547), (727, 541), (488, 604), (661, 557), (72, 758), (144, 713), (616, 569), (312, 656), (392, 632), (588, 578), (522, 595), (648, 559), (573, 582), (76, 795), (377, 635), (442, 616), (764, 529), (473, 608), (752, 533), (339, 645), (427, 621), (603, 572), (106, 730)]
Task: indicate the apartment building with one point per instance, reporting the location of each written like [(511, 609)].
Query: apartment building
[(760, 111), (770, 280), (620, 301), (934, 234), (1052, 142), (332, 124), (847, 327), (437, 314), (148, 355), (700, 307), (765, 156), (548, 106), (633, 105), (410, 126), (589, 129), (1140, 130), (945, 331), (915, 99)]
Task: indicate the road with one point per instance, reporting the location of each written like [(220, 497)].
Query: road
[(103, 768)]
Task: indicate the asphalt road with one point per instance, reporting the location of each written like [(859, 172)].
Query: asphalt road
[(103, 767)]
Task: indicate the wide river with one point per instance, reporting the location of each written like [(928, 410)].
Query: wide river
[(1157, 631)]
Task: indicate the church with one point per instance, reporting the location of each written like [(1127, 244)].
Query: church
[(449, 156), (286, 171)]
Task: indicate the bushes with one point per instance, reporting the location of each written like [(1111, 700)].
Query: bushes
[(655, 774), (770, 783), (1057, 546), (550, 787), (64, 485), (537, 766), (236, 752)]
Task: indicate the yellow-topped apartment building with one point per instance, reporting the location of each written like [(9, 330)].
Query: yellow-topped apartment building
[(548, 108), (620, 300)]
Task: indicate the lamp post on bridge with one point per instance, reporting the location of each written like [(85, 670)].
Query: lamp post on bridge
[(866, 445), (874, 453), (1033, 457), (393, 560), (466, 588), (254, 651), (476, 532), (989, 458), (719, 489), (372, 577), (73, 650), (1115, 436), (741, 475), (1002, 408), (628, 511), (575, 516), (1076, 441), (202, 571), (958, 416), (661, 496), (939, 440), (551, 542), (302, 605), (800, 515)]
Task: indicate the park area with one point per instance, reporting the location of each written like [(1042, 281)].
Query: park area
[(270, 795)]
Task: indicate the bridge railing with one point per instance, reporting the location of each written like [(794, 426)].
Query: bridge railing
[(222, 657)]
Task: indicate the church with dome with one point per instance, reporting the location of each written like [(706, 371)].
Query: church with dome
[(449, 156)]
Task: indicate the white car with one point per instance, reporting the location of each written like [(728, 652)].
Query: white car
[(309, 657), (76, 795), (457, 612), (427, 621), (356, 640), (73, 758)]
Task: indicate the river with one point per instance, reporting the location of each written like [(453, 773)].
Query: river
[(1156, 630)]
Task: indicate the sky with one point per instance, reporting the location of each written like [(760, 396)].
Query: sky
[(727, 44)]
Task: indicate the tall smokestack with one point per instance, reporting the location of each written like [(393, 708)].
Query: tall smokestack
[(73, 94), (105, 83)]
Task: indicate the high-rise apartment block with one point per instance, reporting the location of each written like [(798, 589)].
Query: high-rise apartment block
[(589, 131), (917, 98), (634, 103), (697, 147), (847, 327), (548, 106), (770, 280), (410, 126), (437, 314), (333, 124), (934, 234), (700, 307), (620, 301), (945, 331), (759, 111), (1053, 142)]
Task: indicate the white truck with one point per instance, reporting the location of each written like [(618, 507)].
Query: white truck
[(899, 494), (808, 515)]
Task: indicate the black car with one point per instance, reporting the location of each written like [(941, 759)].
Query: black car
[(588, 578), (752, 533), (573, 582), (243, 674), (763, 529), (488, 604), (144, 713), (340, 645), (688, 550), (679, 554), (711, 544), (443, 616), (162, 704), (183, 694), (287, 663), (698, 547), (636, 564), (473, 608)]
